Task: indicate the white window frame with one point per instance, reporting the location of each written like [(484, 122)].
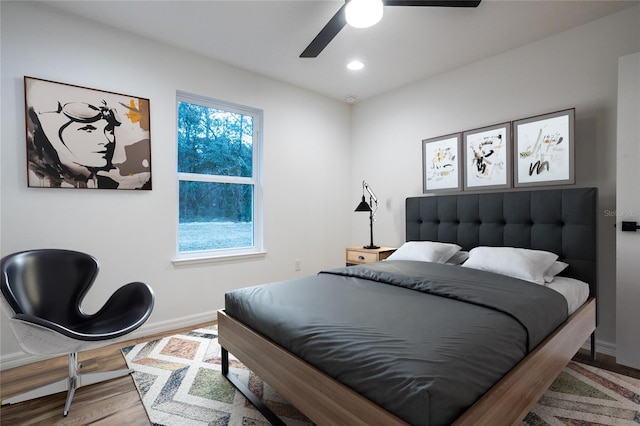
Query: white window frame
[(257, 250)]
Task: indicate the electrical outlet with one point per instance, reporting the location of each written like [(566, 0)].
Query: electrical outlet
[(297, 265)]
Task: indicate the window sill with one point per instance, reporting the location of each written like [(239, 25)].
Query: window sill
[(186, 261)]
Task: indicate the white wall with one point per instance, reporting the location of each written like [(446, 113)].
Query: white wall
[(306, 169), (577, 68)]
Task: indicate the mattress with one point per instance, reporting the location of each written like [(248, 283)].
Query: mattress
[(575, 292), (422, 340)]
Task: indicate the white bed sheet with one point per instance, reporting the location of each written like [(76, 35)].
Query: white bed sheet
[(576, 292)]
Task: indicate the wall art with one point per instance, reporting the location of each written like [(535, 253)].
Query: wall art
[(441, 163), (86, 138), (487, 157), (544, 149)]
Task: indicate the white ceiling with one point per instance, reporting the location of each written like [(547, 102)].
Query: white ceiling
[(408, 45)]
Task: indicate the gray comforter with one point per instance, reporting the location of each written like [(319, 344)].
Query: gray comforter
[(422, 340)]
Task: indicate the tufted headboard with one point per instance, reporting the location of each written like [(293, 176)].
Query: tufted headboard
[(562, 221)]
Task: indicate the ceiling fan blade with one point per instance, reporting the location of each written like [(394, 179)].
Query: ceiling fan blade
[(338, 21), (324, 37), (442, 3)]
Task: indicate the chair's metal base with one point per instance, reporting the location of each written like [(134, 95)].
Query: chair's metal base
[(70, 384)]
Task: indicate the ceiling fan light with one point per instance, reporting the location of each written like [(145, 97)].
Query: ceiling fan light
[(363, 13)]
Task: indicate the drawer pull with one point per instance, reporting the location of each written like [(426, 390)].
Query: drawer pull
[(360, 257)]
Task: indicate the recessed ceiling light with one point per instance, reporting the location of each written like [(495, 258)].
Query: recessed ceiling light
[(355, 65)]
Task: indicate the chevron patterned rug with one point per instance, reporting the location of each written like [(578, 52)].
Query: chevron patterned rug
[(180, 384)]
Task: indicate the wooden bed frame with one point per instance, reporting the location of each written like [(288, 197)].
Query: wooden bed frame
[(326, 401), (566, 215)]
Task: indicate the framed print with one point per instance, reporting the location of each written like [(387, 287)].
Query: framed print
[(441, 163), (487, 157), (544, 149), (86, 138)]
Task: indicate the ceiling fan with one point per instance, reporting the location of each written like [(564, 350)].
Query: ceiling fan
[(339, 20)]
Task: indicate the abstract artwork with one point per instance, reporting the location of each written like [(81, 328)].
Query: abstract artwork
[(487, 157), (85, 138), (441, 163), (544, 149)]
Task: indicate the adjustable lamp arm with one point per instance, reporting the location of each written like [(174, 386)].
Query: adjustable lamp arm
[(373, 200)]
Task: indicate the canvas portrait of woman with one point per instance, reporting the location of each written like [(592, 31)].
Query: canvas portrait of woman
[(86, 138)]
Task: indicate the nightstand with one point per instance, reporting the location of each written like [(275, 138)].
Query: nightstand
[(359, 255)]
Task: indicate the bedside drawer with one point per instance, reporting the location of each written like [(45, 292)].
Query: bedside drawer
[(361, 257)]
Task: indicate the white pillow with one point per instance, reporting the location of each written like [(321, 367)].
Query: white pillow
[(425, 251), (554, 270), (525, 264)]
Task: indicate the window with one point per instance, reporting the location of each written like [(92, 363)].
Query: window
[(219, 202)]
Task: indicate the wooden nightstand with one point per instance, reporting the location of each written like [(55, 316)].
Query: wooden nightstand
[(359, 255)]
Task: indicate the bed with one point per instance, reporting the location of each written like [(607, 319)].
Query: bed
[(355, 360)]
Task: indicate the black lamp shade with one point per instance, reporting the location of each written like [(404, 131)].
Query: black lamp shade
[(363, 206)]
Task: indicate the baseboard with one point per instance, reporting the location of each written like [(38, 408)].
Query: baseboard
[(18, 359), (606, 348)]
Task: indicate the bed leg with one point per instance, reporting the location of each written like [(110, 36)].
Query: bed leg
[(263, 409), (593, 346), (224, 355)]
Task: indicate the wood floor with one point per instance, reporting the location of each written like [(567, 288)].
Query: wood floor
[(117, 402), (606, 362)]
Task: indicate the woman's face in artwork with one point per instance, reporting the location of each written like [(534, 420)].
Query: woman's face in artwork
[(89, 144), (82, 135)]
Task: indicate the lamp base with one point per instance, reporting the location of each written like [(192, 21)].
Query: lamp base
[(371, 247)]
